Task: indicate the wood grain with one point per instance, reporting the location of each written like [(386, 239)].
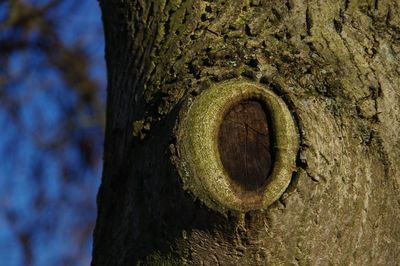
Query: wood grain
[(245, 145)]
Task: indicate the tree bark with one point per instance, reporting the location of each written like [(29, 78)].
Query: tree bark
[(336, 65)]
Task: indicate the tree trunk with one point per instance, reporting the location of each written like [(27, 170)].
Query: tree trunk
[(335, 65)]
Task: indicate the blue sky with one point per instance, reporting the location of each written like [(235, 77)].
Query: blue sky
[(37, 198)]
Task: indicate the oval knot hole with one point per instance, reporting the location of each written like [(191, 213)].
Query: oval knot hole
[(244, 143)]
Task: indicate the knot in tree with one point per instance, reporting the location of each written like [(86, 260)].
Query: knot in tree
[(238, 145)]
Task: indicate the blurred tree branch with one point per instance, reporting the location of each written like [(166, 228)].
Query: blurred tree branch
[(71, 62), (30, 28)]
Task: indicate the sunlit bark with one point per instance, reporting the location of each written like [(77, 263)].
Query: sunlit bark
[(336, 64)]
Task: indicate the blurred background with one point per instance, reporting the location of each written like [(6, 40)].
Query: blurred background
[(52, 107)]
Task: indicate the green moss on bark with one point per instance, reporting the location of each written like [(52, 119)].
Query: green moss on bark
[(200, 165)]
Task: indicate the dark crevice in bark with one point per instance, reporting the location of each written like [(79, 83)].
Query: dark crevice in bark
[(346, 4), (309, 22)]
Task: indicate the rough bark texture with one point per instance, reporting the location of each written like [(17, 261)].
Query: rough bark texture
[(335, 63)]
